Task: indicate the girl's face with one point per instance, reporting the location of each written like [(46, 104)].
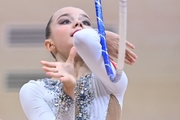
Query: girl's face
[(65, 23)]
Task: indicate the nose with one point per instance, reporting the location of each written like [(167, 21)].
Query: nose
[(78, 24)]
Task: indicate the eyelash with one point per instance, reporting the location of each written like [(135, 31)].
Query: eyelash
[(87, 23), (65, 22)]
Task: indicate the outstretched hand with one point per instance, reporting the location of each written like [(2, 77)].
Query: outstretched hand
[(62, 71)]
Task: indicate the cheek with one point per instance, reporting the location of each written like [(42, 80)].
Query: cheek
[(62, 38), (61, 33)]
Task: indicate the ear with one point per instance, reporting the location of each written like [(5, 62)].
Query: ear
[(48, 43)]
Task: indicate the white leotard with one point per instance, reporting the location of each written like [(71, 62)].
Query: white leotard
[(40, 98)]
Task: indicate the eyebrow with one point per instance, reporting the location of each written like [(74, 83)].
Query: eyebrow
[(85, 16), (66, 14)]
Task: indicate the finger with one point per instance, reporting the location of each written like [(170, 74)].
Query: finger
[(128, 62), (48, 64), (114, 55), (130, 53), (48, 69), (72, 54), (52, 74), (130, 45), (129, 58)]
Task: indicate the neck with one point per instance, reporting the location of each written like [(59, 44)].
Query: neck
[(80, 69)]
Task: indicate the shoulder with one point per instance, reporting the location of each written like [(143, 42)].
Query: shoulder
[(34, 87), (31, 88), (34, 98), (32, 84)]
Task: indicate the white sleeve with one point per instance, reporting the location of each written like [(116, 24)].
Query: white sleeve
[(87, 43), (33, 103), (35, 106)]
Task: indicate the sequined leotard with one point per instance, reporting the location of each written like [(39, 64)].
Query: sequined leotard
[(44, 99)]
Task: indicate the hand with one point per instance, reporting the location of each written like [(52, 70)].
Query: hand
[(63, 71), (112, 40), (130, 57)]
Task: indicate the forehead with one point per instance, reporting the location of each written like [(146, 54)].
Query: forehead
[(69, 10)]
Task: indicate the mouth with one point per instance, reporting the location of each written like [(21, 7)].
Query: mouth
[(75, 32)]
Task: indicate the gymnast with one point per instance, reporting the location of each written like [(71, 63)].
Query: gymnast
[(79, 87)]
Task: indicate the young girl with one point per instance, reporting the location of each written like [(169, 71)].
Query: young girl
[(79, 88)]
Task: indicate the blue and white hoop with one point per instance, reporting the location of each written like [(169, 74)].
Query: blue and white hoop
[(122, 42)]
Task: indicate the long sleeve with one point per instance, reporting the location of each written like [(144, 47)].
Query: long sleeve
[(87, 43), (44, 100), (33, 103)]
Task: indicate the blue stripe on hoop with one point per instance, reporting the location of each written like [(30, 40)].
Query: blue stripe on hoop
[(101, 30)]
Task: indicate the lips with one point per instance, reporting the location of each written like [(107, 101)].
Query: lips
[(75, 32)]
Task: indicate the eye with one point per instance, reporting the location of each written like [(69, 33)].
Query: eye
[(87, 23), (64, 22)]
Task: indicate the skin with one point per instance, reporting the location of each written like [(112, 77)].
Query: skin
[(112, 44), (69, 66)]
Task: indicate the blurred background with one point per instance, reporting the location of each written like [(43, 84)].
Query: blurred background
[(153, 27)]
